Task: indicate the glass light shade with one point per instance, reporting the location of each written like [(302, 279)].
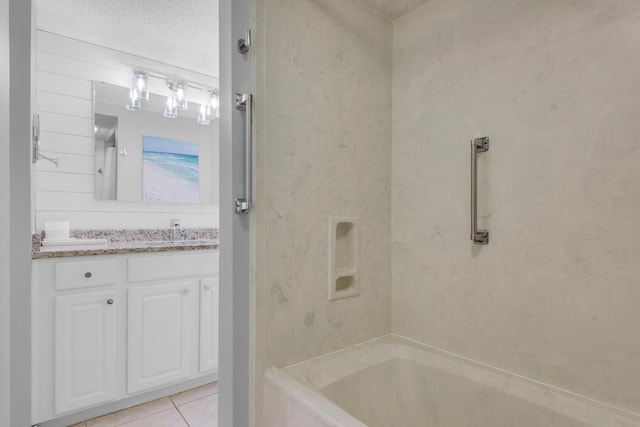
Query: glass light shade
[(132, 101), (170, 110), (141, 84), (214, 104), (181, 96), (203, 117)]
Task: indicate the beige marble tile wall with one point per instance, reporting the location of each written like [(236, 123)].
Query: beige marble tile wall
[(555, 294), (323, 148)]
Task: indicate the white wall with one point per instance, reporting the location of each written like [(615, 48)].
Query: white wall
[(555, 294), (65, 70), (323, 149), (5, 245)]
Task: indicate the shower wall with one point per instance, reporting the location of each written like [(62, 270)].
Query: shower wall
[(555, 295), (323, 148)]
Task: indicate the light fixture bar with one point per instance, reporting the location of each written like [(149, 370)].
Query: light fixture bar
[(177, 98), (160, 76)]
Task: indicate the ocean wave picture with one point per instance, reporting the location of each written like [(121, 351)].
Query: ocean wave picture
[(170, 172)]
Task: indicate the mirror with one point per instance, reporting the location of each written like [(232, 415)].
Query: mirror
[(142, 156)]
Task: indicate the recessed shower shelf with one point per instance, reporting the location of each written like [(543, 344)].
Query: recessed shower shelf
[(345, 272), (343, 258)]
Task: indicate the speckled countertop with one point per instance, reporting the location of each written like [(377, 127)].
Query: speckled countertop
[(129, 241)]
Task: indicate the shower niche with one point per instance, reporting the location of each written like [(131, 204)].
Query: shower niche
[(343, 257)]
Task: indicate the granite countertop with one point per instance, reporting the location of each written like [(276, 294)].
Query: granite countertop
[(128, 241)]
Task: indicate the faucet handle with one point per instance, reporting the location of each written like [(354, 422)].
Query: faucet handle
[(174, 226)]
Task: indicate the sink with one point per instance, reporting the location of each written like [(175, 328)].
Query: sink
[(74, 242), (168, 243)]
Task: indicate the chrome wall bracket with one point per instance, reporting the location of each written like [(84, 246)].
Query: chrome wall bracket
[(478, 145), (244, 102), (242, 206), (35, 139), (482, 144), (241, 101), (481, 237), (244, 44)]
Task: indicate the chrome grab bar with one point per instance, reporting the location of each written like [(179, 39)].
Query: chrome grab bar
[(244, 102), (478, 145)]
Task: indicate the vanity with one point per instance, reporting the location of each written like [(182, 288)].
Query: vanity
[(136, 319), (115, 322)]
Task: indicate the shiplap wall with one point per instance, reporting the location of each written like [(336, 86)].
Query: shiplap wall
[(65, 69)]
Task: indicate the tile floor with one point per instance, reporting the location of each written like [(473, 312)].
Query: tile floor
[(197, 407)]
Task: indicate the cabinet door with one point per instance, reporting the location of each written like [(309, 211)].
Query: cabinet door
[(209, 291), (85, 350), (159, 335)]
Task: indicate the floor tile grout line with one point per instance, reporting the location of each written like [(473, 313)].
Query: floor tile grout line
[(170, 397), (146, 416), (192, 399), (179, 412), (133, 419)]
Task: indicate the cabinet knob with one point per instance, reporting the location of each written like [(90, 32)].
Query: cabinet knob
[(109, 301), (187, 291), (87, 274)]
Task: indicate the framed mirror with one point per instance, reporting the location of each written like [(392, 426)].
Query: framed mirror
[(143, 156)]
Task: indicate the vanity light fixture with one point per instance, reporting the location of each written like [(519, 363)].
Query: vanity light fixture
[(214, 104), (203, 118), (177, 98), (140, 85), (133, 101), (180, 88), (170, 108)]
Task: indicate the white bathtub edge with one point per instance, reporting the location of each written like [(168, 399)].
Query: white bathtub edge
[(325, 410), (310, 376)]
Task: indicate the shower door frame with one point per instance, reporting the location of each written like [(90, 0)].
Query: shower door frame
[(17, 236), (235, 250)]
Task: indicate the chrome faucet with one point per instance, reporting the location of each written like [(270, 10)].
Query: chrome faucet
[(174, 226)]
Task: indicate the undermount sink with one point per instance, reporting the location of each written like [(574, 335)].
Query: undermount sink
[(162, 243), (74, 242)]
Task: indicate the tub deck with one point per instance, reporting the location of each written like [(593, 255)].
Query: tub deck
[(392, 381)]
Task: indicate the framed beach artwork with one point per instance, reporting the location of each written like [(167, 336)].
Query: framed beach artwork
[(170, 172)]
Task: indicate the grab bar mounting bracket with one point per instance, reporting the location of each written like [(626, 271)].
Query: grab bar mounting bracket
[(241, 101), (482, 144), (243, 45), (481, 237)]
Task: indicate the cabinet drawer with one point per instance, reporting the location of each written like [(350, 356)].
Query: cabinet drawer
[(150, 268), (83, 274)]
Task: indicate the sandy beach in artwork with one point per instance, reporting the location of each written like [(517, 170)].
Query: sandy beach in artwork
[(161, 186)]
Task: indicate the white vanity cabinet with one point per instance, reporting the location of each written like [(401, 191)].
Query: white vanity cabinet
[(159, 330), (109, 327), (209, 304), (84, 349)]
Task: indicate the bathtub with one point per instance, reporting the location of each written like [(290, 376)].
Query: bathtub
[(394, 382)]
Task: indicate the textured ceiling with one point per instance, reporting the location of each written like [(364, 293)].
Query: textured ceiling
[(393, 9), (182, 33)]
